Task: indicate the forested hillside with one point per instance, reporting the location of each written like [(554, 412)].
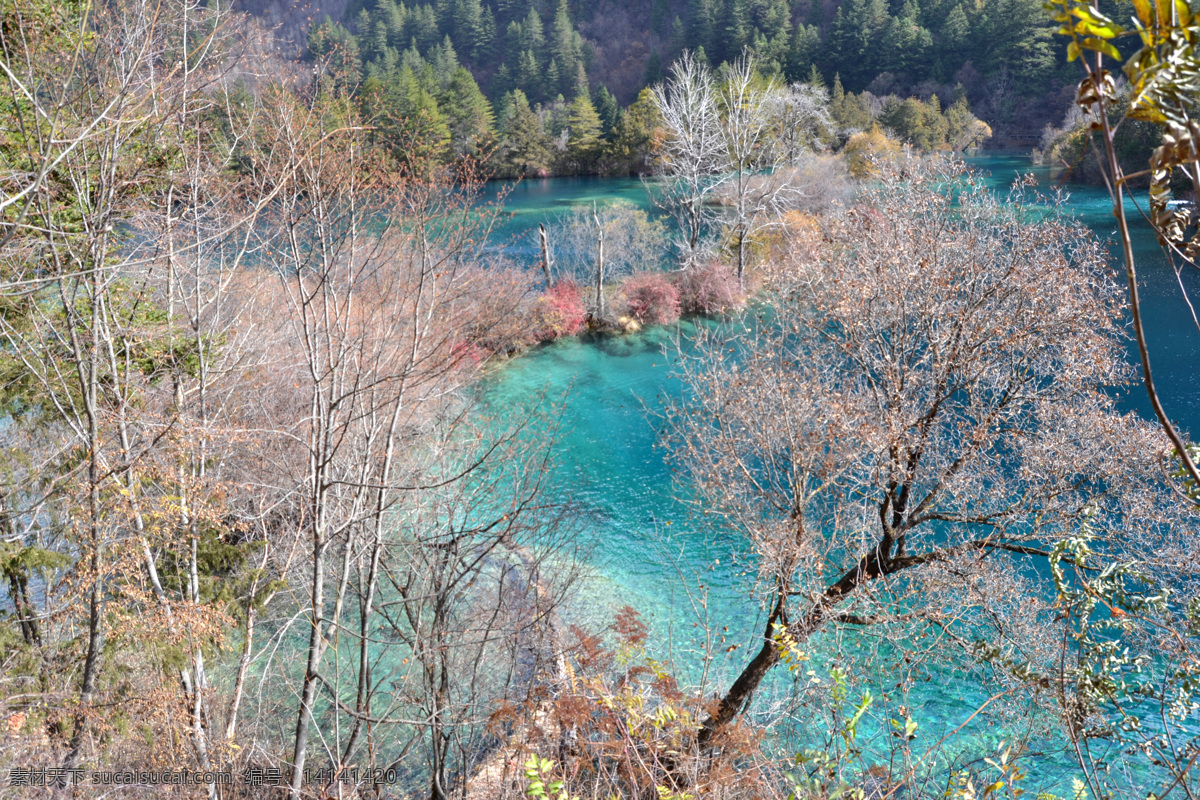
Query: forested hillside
[(459, 70)]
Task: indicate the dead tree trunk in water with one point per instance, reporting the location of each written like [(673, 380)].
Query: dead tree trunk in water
[(599, 264), (545, 253)]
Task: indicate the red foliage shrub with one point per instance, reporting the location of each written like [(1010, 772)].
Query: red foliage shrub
[(559, 312), (628, 716), (709, 288), (652, 299), (468, 355)]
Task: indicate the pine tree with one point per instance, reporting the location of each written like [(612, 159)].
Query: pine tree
[(581, 84), (654, 69), (739, 31), (431, 79), (678, 38), (607, 108), (552, 81), (411, 60), (858, 27), (419, 134), (389, 63), (803, 51), (362, 24), (377, 42), (906, 43), (583, 140), (468, 114), (838, 42), (514, 36), (562, 42), (658, 15), (444, 60), (502, 82), (467, 21), (772, 20), (424, 25), (704, 24), (504, 111), (524, 147), (444, 14), (1017, 26), (396, 17), (956, 30), (556, 118), (963, 130), (485, 43), (851, 112), (633, 136), (920, 124), (533, 35), (816, 14), (528, 77)]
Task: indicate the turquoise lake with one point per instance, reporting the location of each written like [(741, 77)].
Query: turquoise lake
[(648, 550)]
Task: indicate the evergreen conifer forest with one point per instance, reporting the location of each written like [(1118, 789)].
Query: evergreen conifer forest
[(470, 69), (674, 399)]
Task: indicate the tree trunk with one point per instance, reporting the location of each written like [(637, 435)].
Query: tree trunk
[(315, 651), (86, 369), (362, 703), (243, 667), (741, 267), (742, 691), (18, 588), (599, 264), (545, 253)]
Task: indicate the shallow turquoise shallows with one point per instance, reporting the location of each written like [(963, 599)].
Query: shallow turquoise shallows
[(647, 549)]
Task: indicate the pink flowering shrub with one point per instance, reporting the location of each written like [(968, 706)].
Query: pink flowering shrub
[(559, 312), (709, 288), (651, 298)]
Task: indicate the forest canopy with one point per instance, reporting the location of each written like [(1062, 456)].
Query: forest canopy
[(470, 68)]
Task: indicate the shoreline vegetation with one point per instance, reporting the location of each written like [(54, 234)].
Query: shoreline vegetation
[(255, 517)]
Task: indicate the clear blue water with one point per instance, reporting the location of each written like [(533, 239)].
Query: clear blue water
[(648, 548)]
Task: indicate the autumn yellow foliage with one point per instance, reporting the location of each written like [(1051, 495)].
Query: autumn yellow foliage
[(865, 150)]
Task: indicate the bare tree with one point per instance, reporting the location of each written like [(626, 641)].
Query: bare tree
[(921, 413), (475, 574), (599, 263), (725, 142), (233, 328), (332, 273), (800, 121), (104, 103), (693, 160), (375, 284), (747, 101)]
